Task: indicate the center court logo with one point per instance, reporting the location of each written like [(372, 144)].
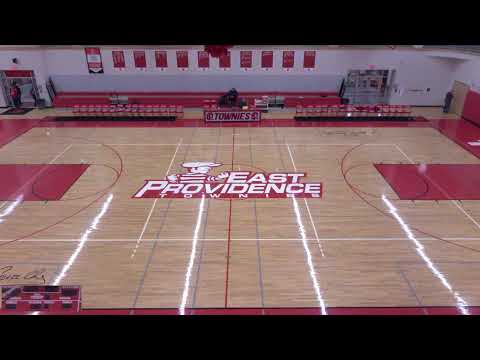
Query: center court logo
[(197, 182)]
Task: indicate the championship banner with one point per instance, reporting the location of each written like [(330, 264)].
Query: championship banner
[(161, 59), (118, 59), (246, 59), (309, 59), (203, 60), (267, 59), (197, 181), (94, 60), (140, 59), (182, 59), (288, 59), (224, 61), (234, 115)]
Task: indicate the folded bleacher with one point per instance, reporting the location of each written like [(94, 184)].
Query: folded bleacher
[(354, 112), (127, 112)]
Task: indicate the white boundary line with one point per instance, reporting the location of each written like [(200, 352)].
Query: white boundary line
[(155, 202), (306, 204), (61, 154), (238, 144), (403, 153)]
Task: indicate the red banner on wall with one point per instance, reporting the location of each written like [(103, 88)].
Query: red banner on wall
[(224, 60), (288, 59), (309, 59), (245, 59), (203, 59), (267, 59), (118, 59), (94, 60), (161, 59), (182, 59), (140, 59), (18, 73)]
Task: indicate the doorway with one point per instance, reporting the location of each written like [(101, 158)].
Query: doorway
[(25, 79)]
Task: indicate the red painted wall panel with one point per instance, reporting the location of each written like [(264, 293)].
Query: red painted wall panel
[(471, 107)]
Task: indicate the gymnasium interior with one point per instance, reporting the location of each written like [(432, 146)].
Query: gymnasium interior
[(240, 180)]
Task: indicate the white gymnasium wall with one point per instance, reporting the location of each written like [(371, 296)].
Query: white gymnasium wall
[(467, 72), (198, 83), (415, 71)]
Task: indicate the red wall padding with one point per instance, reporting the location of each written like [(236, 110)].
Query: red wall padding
[(471, 107)]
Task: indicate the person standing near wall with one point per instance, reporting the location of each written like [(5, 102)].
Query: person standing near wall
[(448, 102), (16, 95), (33, 94)]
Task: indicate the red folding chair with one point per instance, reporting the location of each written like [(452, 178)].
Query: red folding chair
[(299, 110), (353, 111), (179, 111), (148, 110), (328, 111), (408, 111), (172, 110), (91, 110), (206, 104), (156, 110), (396, 111), (127, 110), (163, 110), (341, 112), (134, 110), (310, 110), (82, 110)]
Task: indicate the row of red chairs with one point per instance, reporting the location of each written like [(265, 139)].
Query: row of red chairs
[(210, 105), (354, 110), (132, 110)]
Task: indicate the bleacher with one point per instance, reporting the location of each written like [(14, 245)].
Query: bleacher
[(291, 99), (353, 112), (127, 111)]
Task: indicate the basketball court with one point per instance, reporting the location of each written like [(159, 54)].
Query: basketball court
[(69, 217)]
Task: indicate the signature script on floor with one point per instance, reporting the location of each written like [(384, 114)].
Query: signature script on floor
[(8, 273)]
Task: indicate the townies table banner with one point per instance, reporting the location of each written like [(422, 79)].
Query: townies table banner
[(197, 182), (232, 115)]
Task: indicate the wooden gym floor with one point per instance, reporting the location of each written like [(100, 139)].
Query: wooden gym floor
[(359, 246)]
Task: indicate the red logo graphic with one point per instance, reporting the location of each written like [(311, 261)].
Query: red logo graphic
[(197, 183)]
